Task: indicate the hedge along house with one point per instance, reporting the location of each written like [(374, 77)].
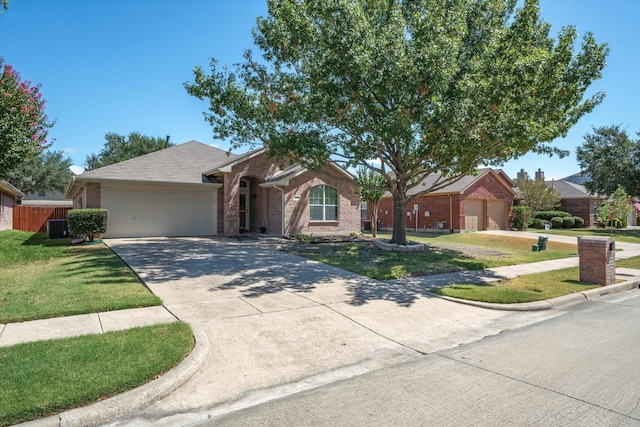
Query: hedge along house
[(475, 202), (194, 189), (8, 196)]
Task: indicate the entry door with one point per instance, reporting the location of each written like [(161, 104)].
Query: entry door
[(244, 205)]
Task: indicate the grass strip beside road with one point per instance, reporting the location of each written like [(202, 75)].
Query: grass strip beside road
[(47, 377), (530, 287), (49, 278)]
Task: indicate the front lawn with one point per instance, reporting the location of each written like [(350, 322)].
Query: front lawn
[(45, 378), (445, 253), (619, 235), (49, 278), (531, 287)]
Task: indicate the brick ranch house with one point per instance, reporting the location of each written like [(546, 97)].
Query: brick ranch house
[(476, 202), (8, 196), (194, 189), (574, 197)]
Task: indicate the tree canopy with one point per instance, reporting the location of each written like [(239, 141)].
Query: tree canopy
[(48, 171), (23, 123), (537, 195), (371, 189), (118, 148), (611, 159), (405, 88)]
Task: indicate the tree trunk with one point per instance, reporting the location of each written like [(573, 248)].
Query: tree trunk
[(374, 219), (399, 236)]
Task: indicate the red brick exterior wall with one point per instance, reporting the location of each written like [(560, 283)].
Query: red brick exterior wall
[(597, 260), (265, 204), (584, 208), (297, 212), (7, 203), (447, 209)]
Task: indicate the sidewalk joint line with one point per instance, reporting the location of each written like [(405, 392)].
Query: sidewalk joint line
[(100, 322)]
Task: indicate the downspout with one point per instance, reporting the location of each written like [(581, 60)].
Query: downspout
[(282, 209)]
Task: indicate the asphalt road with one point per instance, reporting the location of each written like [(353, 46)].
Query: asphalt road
[(580, 368)]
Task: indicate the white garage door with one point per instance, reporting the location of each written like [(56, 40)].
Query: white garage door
[(150, 212)]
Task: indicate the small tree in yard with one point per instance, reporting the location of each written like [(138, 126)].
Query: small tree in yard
[(615, 211), (405, 88), (371, 190), (87, 222), (537, 195)]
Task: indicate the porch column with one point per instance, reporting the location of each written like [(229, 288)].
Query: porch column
[(231, 187)]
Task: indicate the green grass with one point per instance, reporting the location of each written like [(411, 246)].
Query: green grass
[(44, 378), (43, 279), (441, 257), (531, 287), (619, 235)]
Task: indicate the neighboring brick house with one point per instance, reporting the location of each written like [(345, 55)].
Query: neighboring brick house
[(476, 202), (195, 189), (574, 197), (8, 196)]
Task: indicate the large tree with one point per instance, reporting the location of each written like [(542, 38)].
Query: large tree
[(48, 171), (611, 159), (23, 123), (405, 88), (118, 148)]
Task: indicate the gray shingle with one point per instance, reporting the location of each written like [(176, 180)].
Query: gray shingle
[(184, 163)]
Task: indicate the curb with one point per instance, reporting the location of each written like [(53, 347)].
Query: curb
[(124, 404), (552, 303)]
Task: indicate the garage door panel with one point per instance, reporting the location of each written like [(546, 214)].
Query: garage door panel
[(158, 212), (474, 214), (497, 214)]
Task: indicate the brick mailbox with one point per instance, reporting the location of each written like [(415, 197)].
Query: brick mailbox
[(597, 260)]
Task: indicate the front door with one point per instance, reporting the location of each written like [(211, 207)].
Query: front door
[(244, 205)]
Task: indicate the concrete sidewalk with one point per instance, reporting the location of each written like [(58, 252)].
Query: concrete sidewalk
[(269, 323)]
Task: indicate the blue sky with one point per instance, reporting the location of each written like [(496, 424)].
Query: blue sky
[(119, 65)]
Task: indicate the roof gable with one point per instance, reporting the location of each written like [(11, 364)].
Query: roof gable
[(463, 183)]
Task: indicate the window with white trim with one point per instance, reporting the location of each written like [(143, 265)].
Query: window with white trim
[(323, 203)]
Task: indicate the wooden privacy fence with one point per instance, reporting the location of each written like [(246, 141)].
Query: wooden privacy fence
[(34, 218)]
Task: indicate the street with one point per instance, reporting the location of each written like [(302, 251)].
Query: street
[(580, 368)]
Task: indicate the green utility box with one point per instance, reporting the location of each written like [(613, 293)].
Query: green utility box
[(542, 243)]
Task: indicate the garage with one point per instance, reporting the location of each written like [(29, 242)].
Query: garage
[(497, 210), (474, 214), (150, 211)]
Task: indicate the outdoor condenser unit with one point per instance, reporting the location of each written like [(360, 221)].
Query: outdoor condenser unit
[(57, 229)]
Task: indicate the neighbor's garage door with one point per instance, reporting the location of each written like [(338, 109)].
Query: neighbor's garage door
[(473, 214), (150, 212), (497, 211)]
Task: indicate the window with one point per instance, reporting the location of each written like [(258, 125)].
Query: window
[(363, 210), (323, 202)]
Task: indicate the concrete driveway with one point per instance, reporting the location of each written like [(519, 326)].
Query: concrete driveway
[(277, 323)]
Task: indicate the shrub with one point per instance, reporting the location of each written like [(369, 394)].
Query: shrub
[(87, 222), (538, 224), (568, 222), (547, 215), (521, 217), (578, 222), (556, 222), (306, 238)]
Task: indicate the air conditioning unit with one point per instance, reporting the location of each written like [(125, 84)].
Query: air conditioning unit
[(57, 229)]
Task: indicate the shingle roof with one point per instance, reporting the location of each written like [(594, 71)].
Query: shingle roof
[(6, 187), (183, 163), (458, 186), (569, 190)]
